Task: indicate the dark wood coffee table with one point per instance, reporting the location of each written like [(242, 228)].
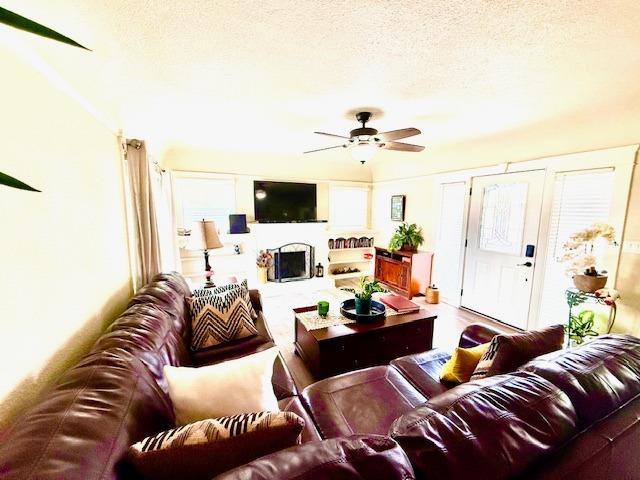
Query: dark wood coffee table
[(339, 349)]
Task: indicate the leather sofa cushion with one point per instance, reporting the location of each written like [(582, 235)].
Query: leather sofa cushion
[(85, 425), (145, 328), (169, 293), (423, 371), (489, 429), (600, 452), (293, 404), (599, 377), (357, 457), (361, 402)]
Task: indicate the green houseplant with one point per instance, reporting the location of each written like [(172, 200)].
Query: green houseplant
[(363, 293), (406, 237), (22, 23)]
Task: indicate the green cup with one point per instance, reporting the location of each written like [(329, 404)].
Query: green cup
[(323, 308)]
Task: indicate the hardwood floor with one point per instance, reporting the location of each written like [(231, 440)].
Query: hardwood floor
[(450, 323)]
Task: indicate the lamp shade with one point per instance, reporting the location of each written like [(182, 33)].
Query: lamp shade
[(204, 236), (363, 152)]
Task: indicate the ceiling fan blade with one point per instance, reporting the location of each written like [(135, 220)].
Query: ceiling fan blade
[(398, 134), (327, 148), (403, 147), (332, 135)]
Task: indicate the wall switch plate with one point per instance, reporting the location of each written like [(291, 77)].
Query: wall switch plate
[(632, 246)]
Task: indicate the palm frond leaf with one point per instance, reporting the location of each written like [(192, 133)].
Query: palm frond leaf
[(10, 181), (23, 23)]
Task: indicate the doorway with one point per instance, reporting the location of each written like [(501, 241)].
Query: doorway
[(501, 244)]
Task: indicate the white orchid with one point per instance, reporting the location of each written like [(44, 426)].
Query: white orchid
[(578, 251)]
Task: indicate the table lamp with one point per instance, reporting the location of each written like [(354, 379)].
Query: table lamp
[(204, 236)]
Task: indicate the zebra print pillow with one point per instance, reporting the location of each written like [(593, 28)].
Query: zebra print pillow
[(207, 292), (206, 448), (219, 317)]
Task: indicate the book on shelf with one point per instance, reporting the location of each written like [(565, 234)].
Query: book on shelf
[(399, 304)]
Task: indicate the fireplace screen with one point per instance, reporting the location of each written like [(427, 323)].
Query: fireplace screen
[(293, 261)]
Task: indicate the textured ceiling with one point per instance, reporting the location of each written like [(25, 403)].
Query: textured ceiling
[(261, 76)]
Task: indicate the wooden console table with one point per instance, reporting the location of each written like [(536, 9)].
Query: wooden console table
[(407, 273)]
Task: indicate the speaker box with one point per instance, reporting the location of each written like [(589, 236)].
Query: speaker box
[(238, 223)]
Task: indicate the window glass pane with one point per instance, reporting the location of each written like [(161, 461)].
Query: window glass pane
[(349, 206), (205, 198), (580, 199), (502, 222)]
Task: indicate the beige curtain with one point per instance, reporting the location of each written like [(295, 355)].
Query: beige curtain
[(144, 211)]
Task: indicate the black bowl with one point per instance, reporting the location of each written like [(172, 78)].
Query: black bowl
[(348, 309)]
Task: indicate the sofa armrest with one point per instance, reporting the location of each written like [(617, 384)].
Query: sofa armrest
[(477, 334), (256, 300)]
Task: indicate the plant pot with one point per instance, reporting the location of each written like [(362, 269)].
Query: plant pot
[(363, 306), (589, 284), (262, 274), (407, 247)]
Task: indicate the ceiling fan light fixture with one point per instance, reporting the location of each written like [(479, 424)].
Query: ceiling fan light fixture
[(363, 152), (364, 141)]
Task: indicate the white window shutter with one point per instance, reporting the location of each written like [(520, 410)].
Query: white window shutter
[(447, 260), (580, 199)]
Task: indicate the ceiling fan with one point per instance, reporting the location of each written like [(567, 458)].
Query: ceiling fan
[(364, 142)]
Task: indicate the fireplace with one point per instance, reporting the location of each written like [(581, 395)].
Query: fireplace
[(291, 262)]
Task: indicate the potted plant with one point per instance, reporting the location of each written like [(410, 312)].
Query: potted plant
[(580, 259), (363, 293), (406, 237), (264, 261)]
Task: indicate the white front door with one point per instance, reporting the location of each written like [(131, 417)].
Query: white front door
[(502, 233)]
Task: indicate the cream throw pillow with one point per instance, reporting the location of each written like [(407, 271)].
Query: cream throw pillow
[(229, 388)]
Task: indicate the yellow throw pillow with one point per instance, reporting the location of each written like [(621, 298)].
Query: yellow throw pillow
[(462, 363)]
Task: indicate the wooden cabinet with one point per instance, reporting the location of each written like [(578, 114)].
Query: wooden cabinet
[(407, 273), (343, 348)]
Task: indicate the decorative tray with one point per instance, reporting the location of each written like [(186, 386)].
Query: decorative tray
[(348, 309)]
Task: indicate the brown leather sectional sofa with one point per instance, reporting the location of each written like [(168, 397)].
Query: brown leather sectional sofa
[(571, 414)]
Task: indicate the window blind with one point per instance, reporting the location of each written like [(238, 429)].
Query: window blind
[(205, 198), (449, 243), (580, 199)]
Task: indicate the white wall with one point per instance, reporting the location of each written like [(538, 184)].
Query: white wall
[(419, 208), (65, 266), (292, 167), (422, 207)]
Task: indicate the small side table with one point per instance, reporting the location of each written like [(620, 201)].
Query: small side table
[(575, 323)]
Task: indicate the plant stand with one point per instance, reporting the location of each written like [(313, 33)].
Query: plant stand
[(579, 328)]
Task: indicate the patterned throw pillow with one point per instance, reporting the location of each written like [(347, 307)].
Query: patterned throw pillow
[(203, 449), (508, 352), (220, 317), (244, 286)]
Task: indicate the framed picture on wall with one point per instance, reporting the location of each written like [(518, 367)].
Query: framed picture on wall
[(397, 208)]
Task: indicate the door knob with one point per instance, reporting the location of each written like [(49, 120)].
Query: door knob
[(526, 264)]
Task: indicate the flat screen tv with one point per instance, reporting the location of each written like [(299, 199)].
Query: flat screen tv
[(280, 202)]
